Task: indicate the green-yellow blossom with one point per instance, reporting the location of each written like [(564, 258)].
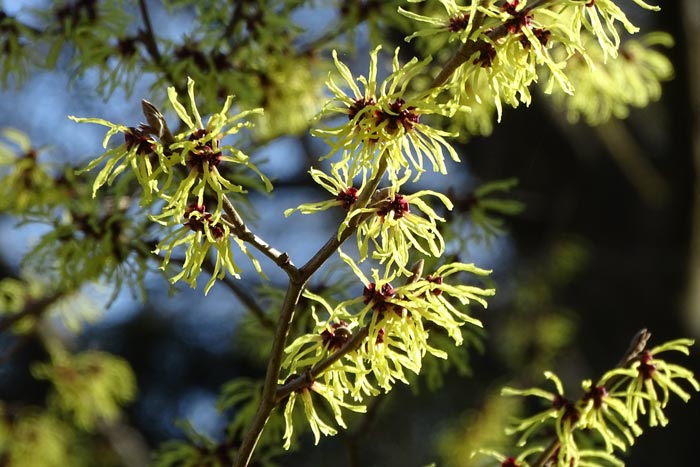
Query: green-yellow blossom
[(200, 150), (199, 234), (140, 151), (384, 121), (458, 20), (91, 386), (648, 382), (338, 183), (317, 424), (562, 413), (394, 231), (397, 317)]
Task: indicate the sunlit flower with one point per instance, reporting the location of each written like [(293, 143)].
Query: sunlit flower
[(394, 230), (562, 413), (457, 20), (317, 424), (200, 149), (397, 315), (339, 184), (647, 383), (599, 17), (346, 375), (384, 121), (140, 151), (504, 66), (198, 234), (608, 415)]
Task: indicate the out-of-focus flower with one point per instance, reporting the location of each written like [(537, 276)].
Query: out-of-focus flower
[(91, 385), (27, 186), (607, 88)]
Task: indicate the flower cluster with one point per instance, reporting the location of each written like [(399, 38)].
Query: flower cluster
[(610, 408), (508, 46), (183, 171), (394, 324), (384, 122)]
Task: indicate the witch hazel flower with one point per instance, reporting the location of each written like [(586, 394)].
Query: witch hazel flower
[(140, 151), (338, 183), (647, 384), (318, 425), (201, 151), (562, 412), (200, 234), (397, 317), (397, 225), (457, 21), (383, 121)]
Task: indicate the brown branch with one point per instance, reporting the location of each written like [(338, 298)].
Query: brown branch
[(268, 400), (241, 230)]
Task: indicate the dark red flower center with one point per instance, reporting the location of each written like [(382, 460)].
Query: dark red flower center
[(336, 337), (647, 367), (459, 22), (348, 197), (399, 206), (596, 394), (196, 222), (571, 413), (378, 298), (397, 116), (487, 54), (202, 152), (358, 105)]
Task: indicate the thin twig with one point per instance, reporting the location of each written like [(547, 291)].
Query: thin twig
[(268, 400), (241, 230)]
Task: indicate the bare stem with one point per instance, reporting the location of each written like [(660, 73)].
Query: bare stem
[(269, 399), (241, 230)]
